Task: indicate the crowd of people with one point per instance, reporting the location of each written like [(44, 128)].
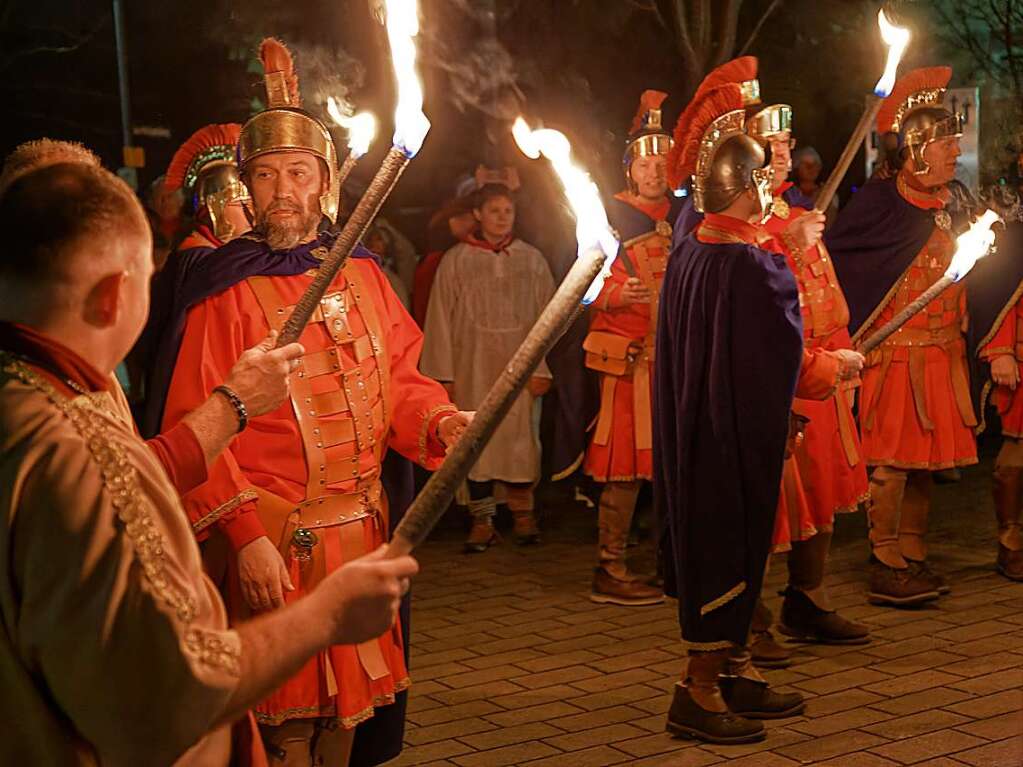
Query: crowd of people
[(208, 572)]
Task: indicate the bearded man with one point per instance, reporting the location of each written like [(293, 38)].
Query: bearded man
[(300, 493)]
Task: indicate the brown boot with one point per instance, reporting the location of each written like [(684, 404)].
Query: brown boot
[(612, 581), (629, 593), (525, 529), (887, 487), (898, 587), (766, 652), (699, 711), (482, 535), (923, 571), (1006, 491), (913, 517), (520, 503)]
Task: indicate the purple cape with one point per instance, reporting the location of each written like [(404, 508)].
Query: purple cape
[(873, 241), (729, 349), (193, 276), (993, 286)]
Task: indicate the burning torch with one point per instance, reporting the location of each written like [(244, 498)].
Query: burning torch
[(897, 39), (971, 246), (362, 129), (597, 248), (410, 129)]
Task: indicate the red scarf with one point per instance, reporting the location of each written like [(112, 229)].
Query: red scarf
[(477, 240), (717, 229), (915, 193), (50, 357)]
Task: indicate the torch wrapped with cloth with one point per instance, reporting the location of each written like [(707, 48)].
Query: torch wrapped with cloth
[(897, 40), (410, 129), (362, 129), (971, 246), (597, 248)]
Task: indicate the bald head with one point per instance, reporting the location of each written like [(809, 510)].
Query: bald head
[(33, 155)]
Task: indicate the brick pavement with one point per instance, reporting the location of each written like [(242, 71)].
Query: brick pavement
[(512, 665)]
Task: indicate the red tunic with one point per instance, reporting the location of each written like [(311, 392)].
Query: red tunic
[(915, 407), (829, 459), (1008, 339), (621, 449), (818, 379), (358, 391)]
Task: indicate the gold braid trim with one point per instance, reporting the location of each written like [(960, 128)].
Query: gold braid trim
[(205, 521), (568, 472), (121, 481), (706, 646), (425, 427), (724, 599), (329, 711)]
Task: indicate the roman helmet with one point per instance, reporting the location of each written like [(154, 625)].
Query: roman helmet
[(647, 135), (285, 127), (915, 113), (723, 160), (741, 72), (205, 168)]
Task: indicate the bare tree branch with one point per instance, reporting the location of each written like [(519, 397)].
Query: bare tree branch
[(756, 30)]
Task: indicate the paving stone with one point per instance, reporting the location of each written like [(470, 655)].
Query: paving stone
[(599, 718), (838, 744), (996, 727), (990, 705), (845, 720), (628, 678), (687, 757), (550, 662), (926, 746), (910, 664), (489, 691), (858, 759), (608, 734), (442, 714), (545, 712), (601, 756), (417, 755), (651, 744), (976, 631), (917, 724), (903, 685), (469, 678), (921, 701), (989, 683), (843, 680), (1001, 754), (453, 729), (825, 705), (507, 756), (506, 736)]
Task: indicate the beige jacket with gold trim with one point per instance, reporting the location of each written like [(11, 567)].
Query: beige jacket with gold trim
[(113, 644)]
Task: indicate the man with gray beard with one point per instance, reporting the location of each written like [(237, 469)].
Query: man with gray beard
[(301, 493)]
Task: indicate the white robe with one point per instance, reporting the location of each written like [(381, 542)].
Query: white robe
[(482, 306)]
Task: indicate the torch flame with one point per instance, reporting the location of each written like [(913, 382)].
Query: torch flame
[(972, 245), (592, 229), (362, 128), (410, 124), (897, 39)]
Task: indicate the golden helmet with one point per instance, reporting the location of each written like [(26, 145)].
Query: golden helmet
[(285, 126), (205, 168), (915, 112)]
